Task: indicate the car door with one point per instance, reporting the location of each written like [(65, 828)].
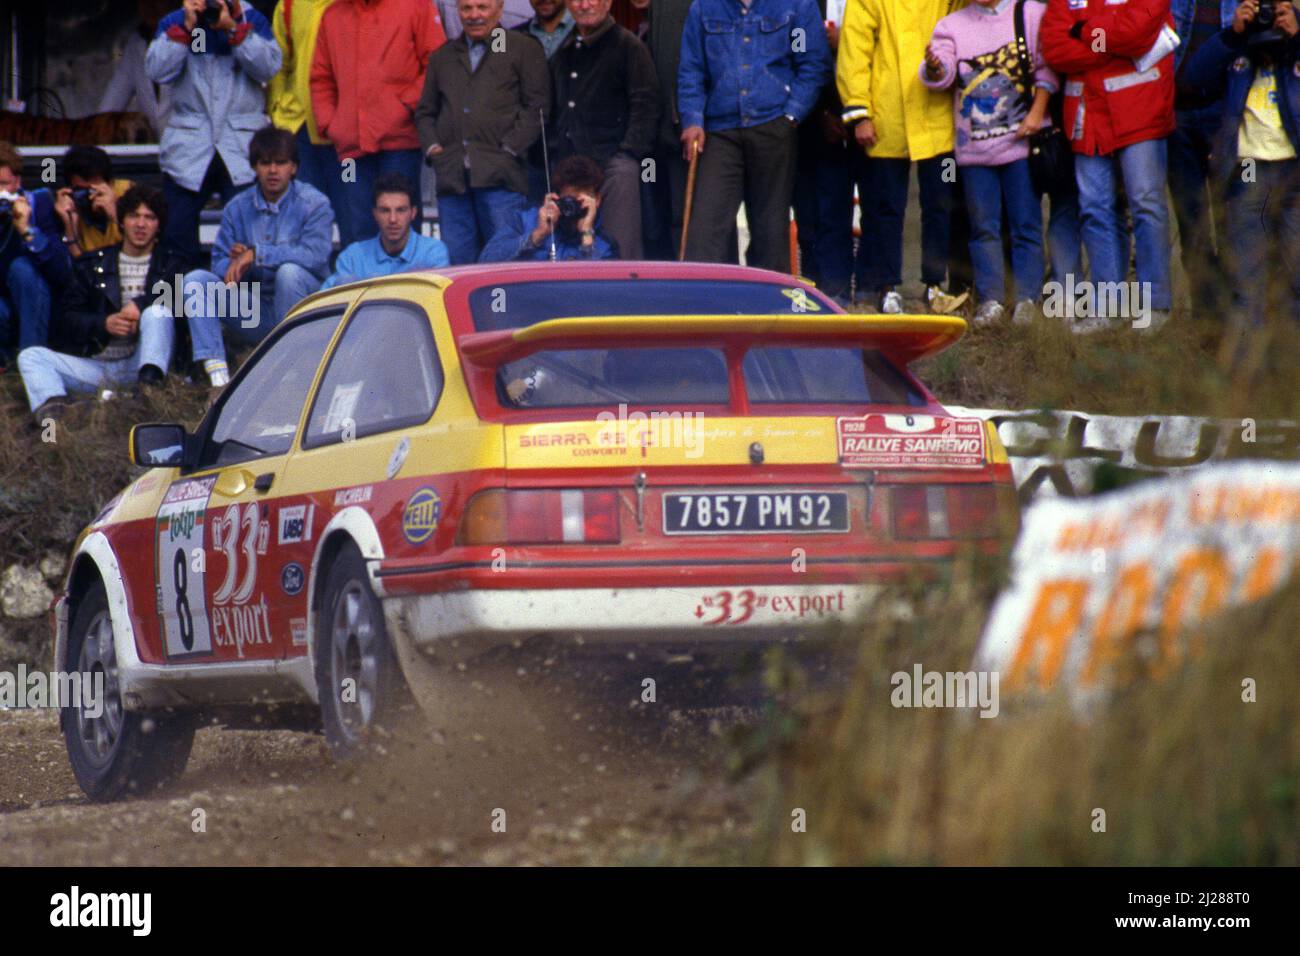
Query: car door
[(218, 590)]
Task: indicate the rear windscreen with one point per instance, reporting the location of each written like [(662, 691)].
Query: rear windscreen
[(698, 376), (833, 375), (513, 305)]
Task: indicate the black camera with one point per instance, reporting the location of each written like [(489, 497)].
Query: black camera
[(571, 208), (211, 14), (7, 206), (1263, 30), (82, 198)]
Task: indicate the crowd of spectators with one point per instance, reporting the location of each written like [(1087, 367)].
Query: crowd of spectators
[(568, 130)]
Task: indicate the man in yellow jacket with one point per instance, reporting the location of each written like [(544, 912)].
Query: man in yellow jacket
[(898, 121), (295, 24)]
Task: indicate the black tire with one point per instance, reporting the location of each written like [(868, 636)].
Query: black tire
[(349, 628), (120, 752)]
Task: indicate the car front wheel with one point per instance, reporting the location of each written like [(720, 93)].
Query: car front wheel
[(112, 751)]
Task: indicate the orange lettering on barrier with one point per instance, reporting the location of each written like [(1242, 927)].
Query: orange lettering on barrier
[(1054, 620), (1203, 566), (1264, 576), (1120, 618)]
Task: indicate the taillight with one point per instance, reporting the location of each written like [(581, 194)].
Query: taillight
[(929, 512), (542, 516)]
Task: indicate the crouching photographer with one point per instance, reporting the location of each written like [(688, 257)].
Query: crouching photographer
[(565, 226), (1254, 153)]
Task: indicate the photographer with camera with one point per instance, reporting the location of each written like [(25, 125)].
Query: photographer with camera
[(34, 265), (1254, 65), (217, 56), (88, 204), (112, 332), (565, 226)]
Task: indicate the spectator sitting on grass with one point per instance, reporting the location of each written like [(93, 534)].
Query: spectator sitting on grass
[(120, 334), (88, 204), (278, 236), (533, 233), (398, 247)]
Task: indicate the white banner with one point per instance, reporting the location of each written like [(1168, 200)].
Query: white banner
[(1088, 576), (1057, 453)]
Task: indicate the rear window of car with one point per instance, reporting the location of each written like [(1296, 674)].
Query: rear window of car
[(637, 376), (518, 304), (825, 376)]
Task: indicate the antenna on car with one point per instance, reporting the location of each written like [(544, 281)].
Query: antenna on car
[(546, 165)]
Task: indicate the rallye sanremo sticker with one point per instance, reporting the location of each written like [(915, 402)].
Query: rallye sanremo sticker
[(181, 589), (910, 441)]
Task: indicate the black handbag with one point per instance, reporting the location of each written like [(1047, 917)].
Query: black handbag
[(1051, 160)]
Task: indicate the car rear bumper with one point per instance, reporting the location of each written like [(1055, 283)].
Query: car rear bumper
[(684, 614)]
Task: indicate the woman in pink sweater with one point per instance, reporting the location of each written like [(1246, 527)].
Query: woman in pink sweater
[(974, 52)]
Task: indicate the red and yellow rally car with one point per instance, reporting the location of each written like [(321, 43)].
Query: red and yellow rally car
[(622, 453)]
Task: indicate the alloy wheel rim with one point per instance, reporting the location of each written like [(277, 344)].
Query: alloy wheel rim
[(99, 734), (354, 655)]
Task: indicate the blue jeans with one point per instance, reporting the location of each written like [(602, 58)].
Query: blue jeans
[(883, 206), (1263, 221), (468, 221), (249, 312), (357, 209), (823, 210), (1064, 243), (1142, 167), (185, 205), (25, 294), (987, 189), (49, 374), (319, 166)]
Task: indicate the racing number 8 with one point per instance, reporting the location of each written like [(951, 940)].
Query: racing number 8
[(180, 577)]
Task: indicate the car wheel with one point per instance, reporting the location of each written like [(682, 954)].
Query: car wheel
[(114, 751), (358, 678)]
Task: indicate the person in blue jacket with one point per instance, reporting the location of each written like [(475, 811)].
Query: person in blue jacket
[(1254, 152), (34, 263), (530, 234)]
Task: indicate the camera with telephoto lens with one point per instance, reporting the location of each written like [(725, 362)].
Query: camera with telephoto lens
[(571, 208), (1263, 30), (211, 14)]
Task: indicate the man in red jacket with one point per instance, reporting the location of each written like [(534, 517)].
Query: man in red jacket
[(366, 80), (1117, 56)]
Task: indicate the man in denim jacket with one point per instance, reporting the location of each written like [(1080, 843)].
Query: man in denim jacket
[(750, 72), (273, 249), (217, 78)]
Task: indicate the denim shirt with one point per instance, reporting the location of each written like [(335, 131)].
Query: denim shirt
[(740, 68), (513, 241), (1183, 11), (299, 228)]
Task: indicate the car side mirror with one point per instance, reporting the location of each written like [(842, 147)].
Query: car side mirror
[(158, 445)]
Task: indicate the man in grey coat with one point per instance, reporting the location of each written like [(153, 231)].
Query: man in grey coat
[(485, 95), (217, 75)]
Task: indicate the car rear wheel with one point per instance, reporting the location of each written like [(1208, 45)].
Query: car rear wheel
[(112, 751), (358, 678)]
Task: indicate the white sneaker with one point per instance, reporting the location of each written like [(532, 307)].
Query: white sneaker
[(891, 303), (1092, 326), (1159, 318), (941, 303), (989, 313), (1025, 311)]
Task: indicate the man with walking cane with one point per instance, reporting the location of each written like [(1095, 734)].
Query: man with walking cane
[(749, 87)]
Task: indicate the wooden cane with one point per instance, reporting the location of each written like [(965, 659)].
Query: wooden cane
[(690, 195)]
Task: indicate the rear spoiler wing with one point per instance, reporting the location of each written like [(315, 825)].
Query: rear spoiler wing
[(904, 338)]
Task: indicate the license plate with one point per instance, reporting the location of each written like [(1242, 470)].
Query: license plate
[(756, 512)]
